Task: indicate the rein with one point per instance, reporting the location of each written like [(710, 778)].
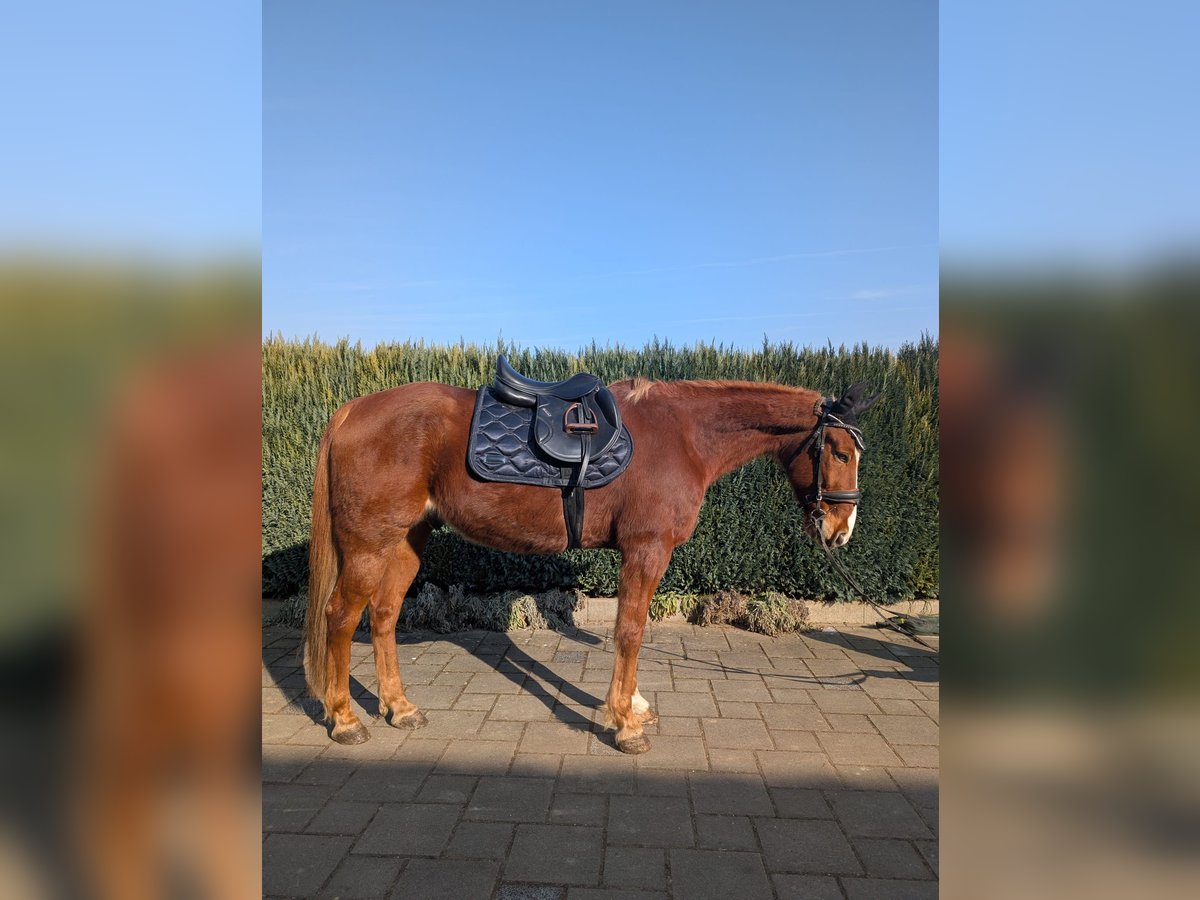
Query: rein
[(903, 624)]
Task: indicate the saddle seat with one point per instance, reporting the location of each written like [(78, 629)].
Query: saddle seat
[(513, 387), (557, 434), (565, 412)]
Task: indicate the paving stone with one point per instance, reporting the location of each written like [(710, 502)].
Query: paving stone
[(920, 786), (807, 887), (891, 859), (674, 752), (281, 764), (678, 725), (661, 783), (456, 789), (796, 741), (521, 708), (650, 821), (927, 757), (907, 729), (536, 765), (844, 702), (363, 877), (598, 774), (639, 868), (730, 794), (750, 756), (557, 854), (342, 817), (384, 783), (276, 729), (725, 833), (447, 879), (477, 758), (721, 760), (510, 732), (689, 704), (736, 734), (929, 852), (782, 768), (296, 865), (430, 697), (889, 889), (893, 707), (850, 723), (877, 814), (507, 799), (553, 737), (789, 694), (480, 840), (719, 875), (578, 809), (742, 691), (494, 683), (857, 749), (409, 829), (289, 807), (891, 688), (865, 778), (480, 702), (801, 803), (806, 845), (794, 716)]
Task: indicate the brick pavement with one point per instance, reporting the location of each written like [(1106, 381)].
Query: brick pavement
[(802, 766)]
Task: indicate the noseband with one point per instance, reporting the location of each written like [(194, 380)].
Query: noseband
[(816, 444)]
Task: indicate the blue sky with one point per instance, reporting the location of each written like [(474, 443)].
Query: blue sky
[(132, 127), (1065, 138), (558, 173)]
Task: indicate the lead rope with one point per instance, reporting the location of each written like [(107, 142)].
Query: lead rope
[(896, 623)]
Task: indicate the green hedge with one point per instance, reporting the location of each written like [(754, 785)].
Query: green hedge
[(750, 532)]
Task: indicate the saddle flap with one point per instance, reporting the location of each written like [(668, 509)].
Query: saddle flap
[(552, 416)]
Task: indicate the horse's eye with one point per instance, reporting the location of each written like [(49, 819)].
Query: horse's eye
[(841, 456)]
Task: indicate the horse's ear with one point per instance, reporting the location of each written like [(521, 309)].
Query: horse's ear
[(844, 405), (861, 406)]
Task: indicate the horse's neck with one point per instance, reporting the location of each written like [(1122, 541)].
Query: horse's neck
[(736, 423)]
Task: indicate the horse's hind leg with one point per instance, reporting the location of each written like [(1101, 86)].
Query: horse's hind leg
[(641, 570), (356, 584), (385, 611)]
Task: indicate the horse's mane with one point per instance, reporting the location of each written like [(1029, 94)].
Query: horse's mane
[(638, 388)]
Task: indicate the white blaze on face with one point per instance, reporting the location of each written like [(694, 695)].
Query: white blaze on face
[(854, 509)]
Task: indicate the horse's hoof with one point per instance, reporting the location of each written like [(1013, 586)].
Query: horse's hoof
[(649, 717), (637, 744), (415, 719), (355, 734)]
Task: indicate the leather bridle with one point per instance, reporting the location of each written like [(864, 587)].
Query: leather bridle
[(816, 445)]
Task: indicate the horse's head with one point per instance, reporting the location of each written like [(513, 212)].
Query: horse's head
[(823, 466)]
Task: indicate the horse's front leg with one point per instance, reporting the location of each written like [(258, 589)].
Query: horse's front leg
[(642, 568)]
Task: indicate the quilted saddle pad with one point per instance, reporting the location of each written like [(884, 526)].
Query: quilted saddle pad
[(501, 449)]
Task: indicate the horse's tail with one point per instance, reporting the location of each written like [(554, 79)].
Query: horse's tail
[(323, 567)]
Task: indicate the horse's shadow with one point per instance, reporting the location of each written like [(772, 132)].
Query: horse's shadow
[(536, 678)]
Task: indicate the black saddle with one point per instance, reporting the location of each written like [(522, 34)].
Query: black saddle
[(566, 434)]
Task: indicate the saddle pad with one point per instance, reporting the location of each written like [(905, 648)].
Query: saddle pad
[(501, 449)]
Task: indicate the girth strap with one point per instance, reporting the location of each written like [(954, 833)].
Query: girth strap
[(573, 496)]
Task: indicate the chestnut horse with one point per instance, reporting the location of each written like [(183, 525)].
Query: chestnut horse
[(392, 467)]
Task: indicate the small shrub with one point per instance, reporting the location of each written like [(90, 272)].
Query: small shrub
[(669, 603), (768, 613)]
